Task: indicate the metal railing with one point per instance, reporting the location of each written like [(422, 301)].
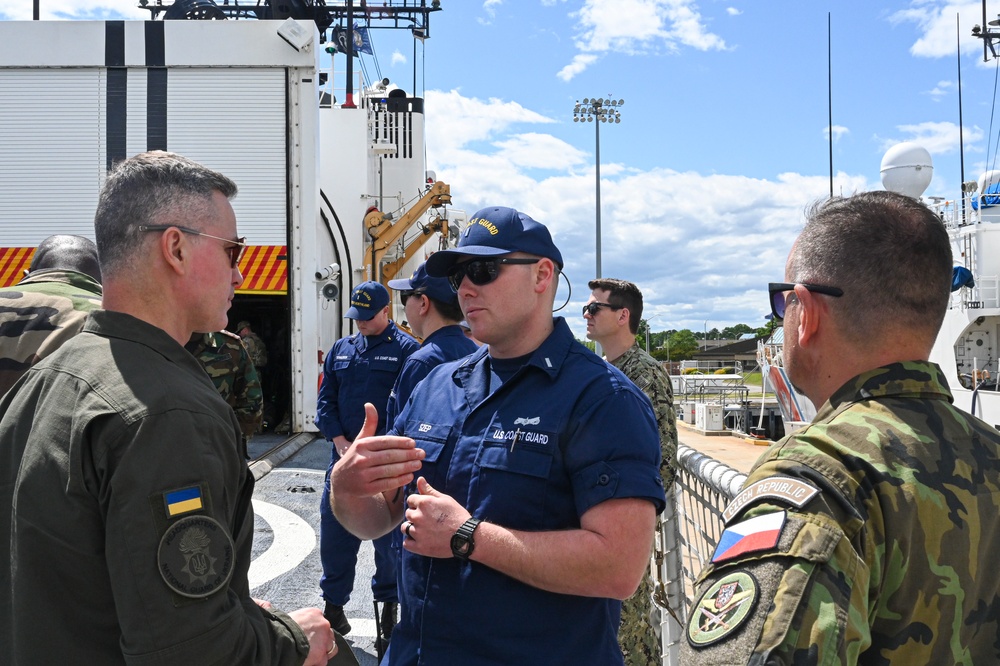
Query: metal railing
[(690, 528)]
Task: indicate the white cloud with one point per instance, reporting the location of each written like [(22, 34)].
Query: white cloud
[(703, 246), (398, 58), (581, 61), (472, 119), (540, 151), (733, 11), (936, 137), (838, 131), (19, 10), (637, 26), (942, 89), (936, 21), (490, 10)]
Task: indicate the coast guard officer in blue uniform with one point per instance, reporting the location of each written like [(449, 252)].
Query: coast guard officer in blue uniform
[(359, 369), (530, 474), (432, 312)]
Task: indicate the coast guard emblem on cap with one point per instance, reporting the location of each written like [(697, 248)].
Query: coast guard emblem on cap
[(195, 557), (722, 609)]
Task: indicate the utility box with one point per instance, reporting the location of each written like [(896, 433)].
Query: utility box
[(708, 417)]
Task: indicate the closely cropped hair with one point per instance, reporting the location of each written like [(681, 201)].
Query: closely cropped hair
[(622, 294), (143, 190), (450, 311), (889, 253)]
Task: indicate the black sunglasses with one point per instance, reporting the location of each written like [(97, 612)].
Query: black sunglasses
[(482, 271), (236, 250), (593, 308), (777, 291), (405, 296)]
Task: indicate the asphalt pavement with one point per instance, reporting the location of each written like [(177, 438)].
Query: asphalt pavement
[(286, 567)]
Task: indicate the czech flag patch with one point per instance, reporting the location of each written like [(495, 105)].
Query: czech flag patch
[(182, 501), (750, 536)]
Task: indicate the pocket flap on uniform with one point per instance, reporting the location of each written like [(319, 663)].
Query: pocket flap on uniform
[(431, 437)]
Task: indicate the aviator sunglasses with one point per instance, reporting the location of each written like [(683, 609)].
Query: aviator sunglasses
[(777, 291), (482, 271), (236, 249)]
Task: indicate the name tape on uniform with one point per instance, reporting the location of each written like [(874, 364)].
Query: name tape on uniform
[(782, 488)]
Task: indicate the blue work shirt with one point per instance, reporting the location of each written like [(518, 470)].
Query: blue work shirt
[(448, 343), (565, 433), (360, 369)]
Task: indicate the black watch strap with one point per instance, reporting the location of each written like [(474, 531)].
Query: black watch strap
[(462, 543)]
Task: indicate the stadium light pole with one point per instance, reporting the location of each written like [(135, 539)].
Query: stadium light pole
[(598, 110)]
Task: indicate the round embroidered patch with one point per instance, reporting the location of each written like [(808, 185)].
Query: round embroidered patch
[(195, 557), (722, 609)]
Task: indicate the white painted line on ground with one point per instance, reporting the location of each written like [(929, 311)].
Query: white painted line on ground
[(293, 540), (361, 627)]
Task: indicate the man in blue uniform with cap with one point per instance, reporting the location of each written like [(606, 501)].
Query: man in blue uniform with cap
[(433, 314), (359, 369), (529, 471)]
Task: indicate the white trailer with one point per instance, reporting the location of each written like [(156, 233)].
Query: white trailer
[(244, 98)]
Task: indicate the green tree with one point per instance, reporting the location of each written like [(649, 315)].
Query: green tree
[(734, 332), (683, 345)]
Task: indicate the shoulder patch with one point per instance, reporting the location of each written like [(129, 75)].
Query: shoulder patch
[(182, 500), (750, 536), (722, 609), (781, 488), (195, 557)]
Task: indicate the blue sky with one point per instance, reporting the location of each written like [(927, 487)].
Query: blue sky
[(723, 139)]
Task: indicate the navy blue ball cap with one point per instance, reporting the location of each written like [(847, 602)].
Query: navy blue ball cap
[(367, 300), (495, 231), (435, 287)]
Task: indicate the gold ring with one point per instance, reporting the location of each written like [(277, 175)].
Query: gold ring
[(333, 649)]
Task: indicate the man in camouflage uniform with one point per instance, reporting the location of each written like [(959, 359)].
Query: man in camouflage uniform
[(613, 314), (867, 536), (254, 345), (49, 305), (228, 364)]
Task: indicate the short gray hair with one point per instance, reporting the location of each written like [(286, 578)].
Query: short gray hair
[(889, 253), (140, 191)]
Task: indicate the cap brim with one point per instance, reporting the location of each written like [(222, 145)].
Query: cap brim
[(402, 284), (441, 261), (354, 313)]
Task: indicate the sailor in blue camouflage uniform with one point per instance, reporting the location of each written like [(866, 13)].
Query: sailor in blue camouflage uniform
[(49, 306), (538, 464), (359, 369), (868, 535)]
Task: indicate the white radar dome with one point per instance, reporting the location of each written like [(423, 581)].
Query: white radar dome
[(907, 169)]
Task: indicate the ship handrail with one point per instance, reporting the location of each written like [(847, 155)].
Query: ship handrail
[(690, 528)]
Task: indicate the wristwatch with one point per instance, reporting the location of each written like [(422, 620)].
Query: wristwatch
[(462, 543)]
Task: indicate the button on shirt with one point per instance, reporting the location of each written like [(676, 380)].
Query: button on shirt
[(357, 370), (562, 435)]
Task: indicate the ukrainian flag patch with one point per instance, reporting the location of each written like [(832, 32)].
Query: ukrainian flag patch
[(182, 501)]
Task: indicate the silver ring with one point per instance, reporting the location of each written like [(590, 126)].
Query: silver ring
[(407, 530)]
